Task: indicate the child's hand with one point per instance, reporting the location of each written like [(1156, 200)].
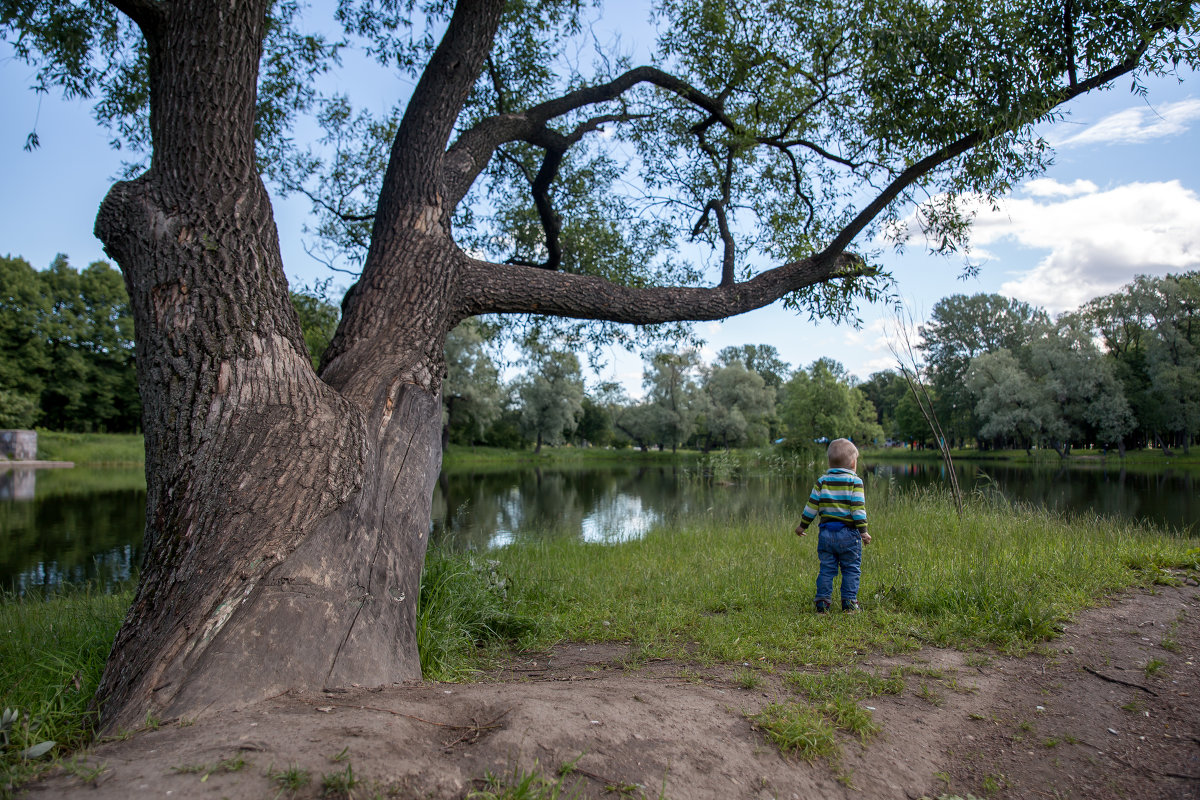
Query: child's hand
[(800, 531), (866, 537)]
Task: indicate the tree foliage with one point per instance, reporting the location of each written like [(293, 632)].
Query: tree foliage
[(66, 347), (472, 396), (551, 395), (823, 404)]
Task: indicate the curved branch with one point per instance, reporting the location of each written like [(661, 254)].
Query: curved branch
[(488, 288), (467, 157), (551, 224), (437, 100), (556, 146)]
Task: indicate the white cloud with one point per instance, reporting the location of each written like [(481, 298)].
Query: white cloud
[(1096, 242), (1134, 125), (1048, 187)]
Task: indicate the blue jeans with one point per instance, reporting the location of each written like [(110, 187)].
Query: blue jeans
[(838, 547)]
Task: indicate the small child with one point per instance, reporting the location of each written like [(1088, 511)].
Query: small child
[(838, 501)]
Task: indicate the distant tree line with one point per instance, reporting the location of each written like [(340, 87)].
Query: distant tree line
[(66, 348), (747, 397), (1121, 371), (67, 359)]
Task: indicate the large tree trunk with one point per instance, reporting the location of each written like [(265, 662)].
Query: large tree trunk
[(287, 517)]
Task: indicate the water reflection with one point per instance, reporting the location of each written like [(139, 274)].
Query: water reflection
[(81, 526), (86, 525), (481, 509), (1166, 497)]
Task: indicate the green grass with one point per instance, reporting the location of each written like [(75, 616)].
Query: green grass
[(462, 456), (798, 729), (842, 684), (464, 615), (709, 591), (1135, 459), (524, 784), (91, 448), (290, 779), (999, 578), (52, 653)]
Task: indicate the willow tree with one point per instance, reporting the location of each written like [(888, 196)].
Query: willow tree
[(287, 506)]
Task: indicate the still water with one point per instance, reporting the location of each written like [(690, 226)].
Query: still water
[(77, 526)]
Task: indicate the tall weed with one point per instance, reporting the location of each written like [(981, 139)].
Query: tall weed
[(464, 604)]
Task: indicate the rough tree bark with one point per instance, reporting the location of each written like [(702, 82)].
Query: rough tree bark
[(288, 513)]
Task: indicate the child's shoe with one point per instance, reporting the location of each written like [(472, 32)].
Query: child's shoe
[(822, 606), (851, 607)]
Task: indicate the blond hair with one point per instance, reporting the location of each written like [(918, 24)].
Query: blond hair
[(842, 453)]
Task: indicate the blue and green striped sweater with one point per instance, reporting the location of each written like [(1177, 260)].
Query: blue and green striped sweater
[(837, 496)]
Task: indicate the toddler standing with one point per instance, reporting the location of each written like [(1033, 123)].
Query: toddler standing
[(839, 505)]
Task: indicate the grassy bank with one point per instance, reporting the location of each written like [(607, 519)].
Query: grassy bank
[(1001, 577), (91, 448), (1139, 459), (52, 653), (461, 456)]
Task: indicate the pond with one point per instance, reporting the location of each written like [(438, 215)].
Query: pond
[(81, 526)]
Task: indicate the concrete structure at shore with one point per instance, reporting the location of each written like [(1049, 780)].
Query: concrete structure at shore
[(18, 445)]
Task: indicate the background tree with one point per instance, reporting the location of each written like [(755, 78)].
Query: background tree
[(318, 318), (291, 510), (821, 404), (961, 328), (911, 424), (885, 390), (669, 379), (595, 426), (68, 346), (1010, 404), (472, 394), (764, 360), (612, 399), (642, 423), (24, 360), (1173, 357), (1082, 384), (551, 395), (738, 406)]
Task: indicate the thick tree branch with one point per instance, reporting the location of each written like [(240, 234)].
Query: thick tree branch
[(417, 151), (488, 288), (148, 14)]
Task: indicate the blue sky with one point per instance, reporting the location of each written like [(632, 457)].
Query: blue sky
[(1122, 199)]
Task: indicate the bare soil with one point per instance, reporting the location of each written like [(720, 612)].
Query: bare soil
[(1108, 710)]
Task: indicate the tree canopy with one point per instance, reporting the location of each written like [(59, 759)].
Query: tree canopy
[(776, 134)]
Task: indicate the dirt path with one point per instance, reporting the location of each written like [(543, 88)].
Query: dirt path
[(1095, 717)]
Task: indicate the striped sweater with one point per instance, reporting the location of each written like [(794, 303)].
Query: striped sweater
[(837, 496)]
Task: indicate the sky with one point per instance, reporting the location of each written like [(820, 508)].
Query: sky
[(1122, 198)]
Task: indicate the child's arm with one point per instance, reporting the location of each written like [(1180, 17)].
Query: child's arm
[(859, 513), (810, 510)]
